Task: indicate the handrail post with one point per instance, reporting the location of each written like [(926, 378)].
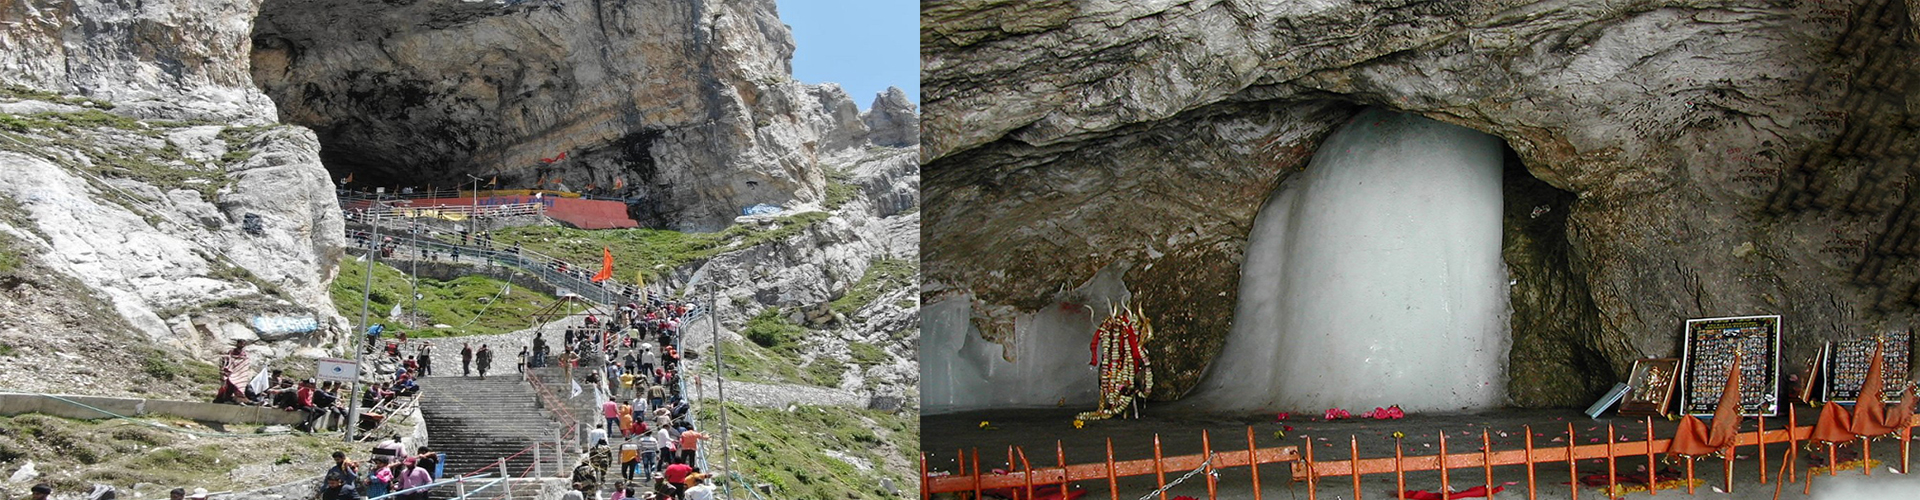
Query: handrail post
[(460, 485), (505, 484), (536, 458)]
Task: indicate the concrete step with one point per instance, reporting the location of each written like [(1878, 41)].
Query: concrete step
[(475, 423)]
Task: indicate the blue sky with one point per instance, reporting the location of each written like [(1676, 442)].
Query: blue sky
[(863, 45)]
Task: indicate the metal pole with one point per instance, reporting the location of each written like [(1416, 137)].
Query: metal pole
[(413, 239), (720, 383), (366, 300)]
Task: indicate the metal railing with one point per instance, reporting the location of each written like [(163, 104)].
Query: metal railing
[(446, 212), (552, 271), (459, 482), (1306, 468)]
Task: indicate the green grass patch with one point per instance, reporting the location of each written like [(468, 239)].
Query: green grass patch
[(749, 362), (825, 372), (72, 455), (865, 354), (66, 122), (883, 274), (840, 189), (772, 330), (164, 367), (163, 166), (25, 93), (788, 449), (452, 302), (10, 254), (155, 364), (648, 251)]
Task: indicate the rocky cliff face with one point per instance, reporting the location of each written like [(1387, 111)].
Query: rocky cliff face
[(1671, 159), (686, 108), (136, 156)]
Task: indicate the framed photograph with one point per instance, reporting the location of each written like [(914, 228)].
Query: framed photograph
[(1708, 349), (1650, 387), (1847, 362), (1810, 379)]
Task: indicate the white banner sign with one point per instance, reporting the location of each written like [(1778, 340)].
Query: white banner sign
[(337, 369)]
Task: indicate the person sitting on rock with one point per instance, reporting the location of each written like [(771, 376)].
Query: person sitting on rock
[(303, 401), (404, 385)]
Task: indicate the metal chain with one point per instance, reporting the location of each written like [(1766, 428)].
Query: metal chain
[(1176, 482)]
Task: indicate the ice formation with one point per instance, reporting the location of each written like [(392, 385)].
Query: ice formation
[(961, 371), (1373, 278)]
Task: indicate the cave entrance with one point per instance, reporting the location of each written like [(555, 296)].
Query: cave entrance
[(1376, 277)]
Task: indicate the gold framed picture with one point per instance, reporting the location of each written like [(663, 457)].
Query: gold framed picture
[(1650, 387)]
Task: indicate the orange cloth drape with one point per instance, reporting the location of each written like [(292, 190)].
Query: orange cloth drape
[(1833, 425), (1695, 438), (1869, 411)]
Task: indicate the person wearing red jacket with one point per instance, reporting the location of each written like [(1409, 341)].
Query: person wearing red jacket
[(303, 401)]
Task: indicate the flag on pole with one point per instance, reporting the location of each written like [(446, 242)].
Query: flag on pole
[(1724, 432), (1869, 410), (348, 180), (619, 182), (494, 182), (606, 265), (639, 280), (576, 390)]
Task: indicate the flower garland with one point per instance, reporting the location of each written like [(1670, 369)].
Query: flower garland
[(1125, 373)]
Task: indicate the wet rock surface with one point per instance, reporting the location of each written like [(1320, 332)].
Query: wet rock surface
[(1716, 159)]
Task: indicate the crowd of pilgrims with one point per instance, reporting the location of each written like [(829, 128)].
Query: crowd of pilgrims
[(643, 427)]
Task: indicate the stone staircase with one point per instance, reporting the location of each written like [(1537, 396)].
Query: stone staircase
[(582, 407), (476, 422)]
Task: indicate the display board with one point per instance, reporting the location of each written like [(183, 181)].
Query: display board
[(1847, 362), (1709, 347), (336, 369)]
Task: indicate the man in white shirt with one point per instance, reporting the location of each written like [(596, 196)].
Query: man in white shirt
[(597, 435), (698, 488)]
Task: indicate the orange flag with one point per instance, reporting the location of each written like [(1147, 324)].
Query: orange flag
[(1726, 416), (1901, 414), (348, 180), (606, 265), (619, 182), (1690, 439), (1833, 424), (1869, 411)]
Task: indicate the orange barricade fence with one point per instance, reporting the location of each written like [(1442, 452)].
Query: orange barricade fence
[(1023, 479)]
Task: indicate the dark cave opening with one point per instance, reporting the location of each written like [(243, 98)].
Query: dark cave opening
[(1554, 360)]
